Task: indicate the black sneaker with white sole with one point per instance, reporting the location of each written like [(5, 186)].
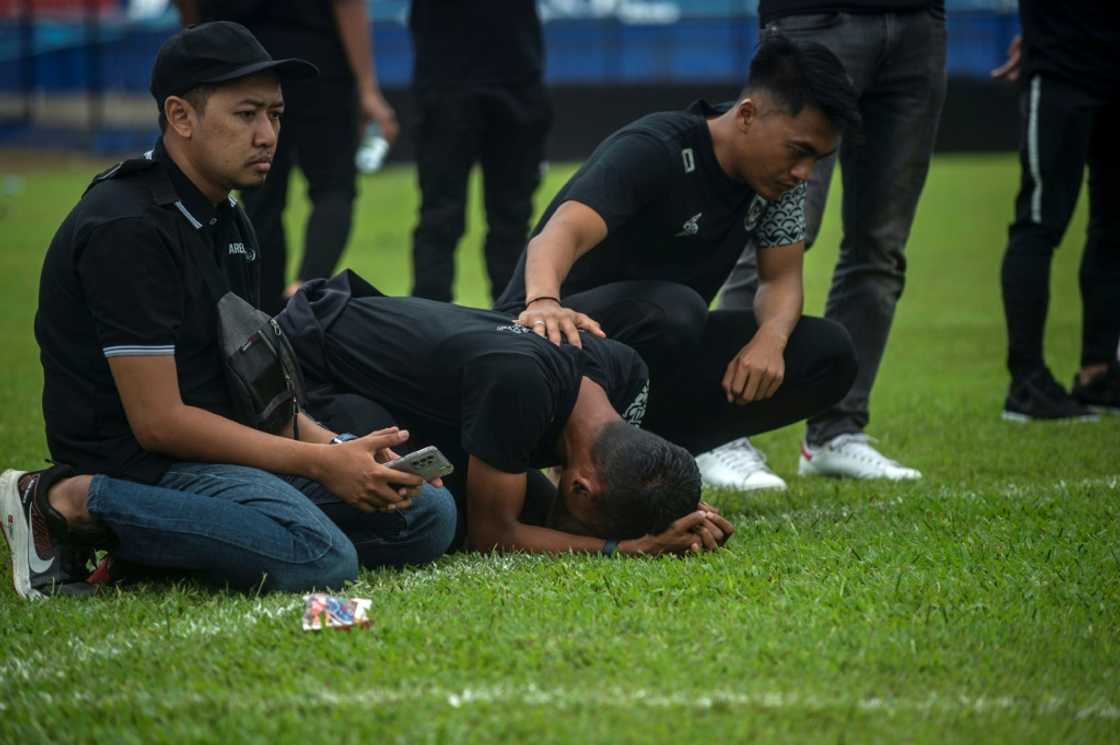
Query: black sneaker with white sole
[(1039, 397), (1102, 393), (41, 566)]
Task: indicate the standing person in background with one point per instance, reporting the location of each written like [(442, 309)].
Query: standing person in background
[(1069, 63), (321, 129), (480, 97), (895, 55)]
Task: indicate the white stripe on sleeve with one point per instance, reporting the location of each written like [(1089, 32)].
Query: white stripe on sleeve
[(137, 350)]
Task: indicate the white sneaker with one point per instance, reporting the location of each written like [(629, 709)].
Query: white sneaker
[(737, 465), (851, 456)]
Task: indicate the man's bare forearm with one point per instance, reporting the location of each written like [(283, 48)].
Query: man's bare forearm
[(353, 29), (778, 306), (194, 434), (547, 263), (573, 230), (533, 539)]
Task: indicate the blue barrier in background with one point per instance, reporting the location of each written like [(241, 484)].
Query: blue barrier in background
[(696, 47)]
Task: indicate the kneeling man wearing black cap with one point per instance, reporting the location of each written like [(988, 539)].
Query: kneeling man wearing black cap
[(149, 461)]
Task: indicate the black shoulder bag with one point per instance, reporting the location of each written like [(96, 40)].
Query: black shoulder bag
[(262, 372)]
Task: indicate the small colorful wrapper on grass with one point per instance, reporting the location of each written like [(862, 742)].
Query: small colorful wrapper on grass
[(322, 611)]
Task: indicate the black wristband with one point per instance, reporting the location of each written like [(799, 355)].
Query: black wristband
[(609, 547), (343, 437), (542, 297)]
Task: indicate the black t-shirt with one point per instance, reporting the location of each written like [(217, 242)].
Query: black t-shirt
[(471, 380), (289, 28), (1077, 41), (496, 41), (770, 10), (123, 277), (671, 211)]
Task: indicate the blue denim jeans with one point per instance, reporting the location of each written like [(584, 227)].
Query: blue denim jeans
[(245, 528), (897, 64)]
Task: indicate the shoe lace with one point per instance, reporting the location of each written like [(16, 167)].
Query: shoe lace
[(858, 445), (741, 455)]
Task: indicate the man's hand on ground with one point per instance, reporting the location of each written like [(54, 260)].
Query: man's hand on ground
[(757, 371), (553, 321), (351, 471), (693, 533)]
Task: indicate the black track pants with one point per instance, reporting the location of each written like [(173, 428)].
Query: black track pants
[(687, 348), (1064, 131)]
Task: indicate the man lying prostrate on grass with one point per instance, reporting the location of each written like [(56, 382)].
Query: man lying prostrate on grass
[(501, 402), (149, 460)]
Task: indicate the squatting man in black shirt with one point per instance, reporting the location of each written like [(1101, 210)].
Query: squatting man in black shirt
[(501, 402), (149, 460), (638, 242)]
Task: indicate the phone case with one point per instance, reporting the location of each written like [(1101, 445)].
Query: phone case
[(428, 463)]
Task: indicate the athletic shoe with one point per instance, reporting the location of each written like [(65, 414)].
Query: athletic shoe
[(737, 465), (851, 456), (40, 565), (1039, 396), (1102, 393)]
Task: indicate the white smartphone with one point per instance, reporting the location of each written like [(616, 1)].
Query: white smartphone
[(428, 463)]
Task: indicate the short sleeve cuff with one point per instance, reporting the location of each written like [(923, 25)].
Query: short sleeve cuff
[(139, 350)]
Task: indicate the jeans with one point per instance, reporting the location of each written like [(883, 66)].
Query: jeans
[(897, 63), (247, 528)]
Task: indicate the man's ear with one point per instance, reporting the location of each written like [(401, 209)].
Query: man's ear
[(746, 113), (180, 116)]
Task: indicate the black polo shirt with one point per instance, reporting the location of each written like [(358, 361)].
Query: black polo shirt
[(124, 277), (672, 213), (471, 381)]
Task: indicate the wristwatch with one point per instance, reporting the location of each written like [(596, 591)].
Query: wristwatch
[(343, 437)]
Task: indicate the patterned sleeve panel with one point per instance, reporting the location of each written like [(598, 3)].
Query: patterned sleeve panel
[(783, 222)]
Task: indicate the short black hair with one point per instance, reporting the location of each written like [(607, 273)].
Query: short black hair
[(196, 97), (797, 74), (648, 482)]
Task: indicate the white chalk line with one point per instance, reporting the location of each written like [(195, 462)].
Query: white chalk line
[(79, 651), (531, 695)]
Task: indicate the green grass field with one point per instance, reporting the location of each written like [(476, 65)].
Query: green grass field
[(980, 604)]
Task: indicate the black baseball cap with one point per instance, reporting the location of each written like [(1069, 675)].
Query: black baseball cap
[(214, 53)]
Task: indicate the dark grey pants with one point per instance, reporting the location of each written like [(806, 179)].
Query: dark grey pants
[(897, 63)]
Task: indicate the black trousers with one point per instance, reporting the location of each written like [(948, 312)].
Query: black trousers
[(687, 348), (503, 128), (320, 134), (1064, 130), (344, 410)]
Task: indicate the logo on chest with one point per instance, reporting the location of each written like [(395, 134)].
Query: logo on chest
[(691, 226), (754, 212), (239, 248)]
